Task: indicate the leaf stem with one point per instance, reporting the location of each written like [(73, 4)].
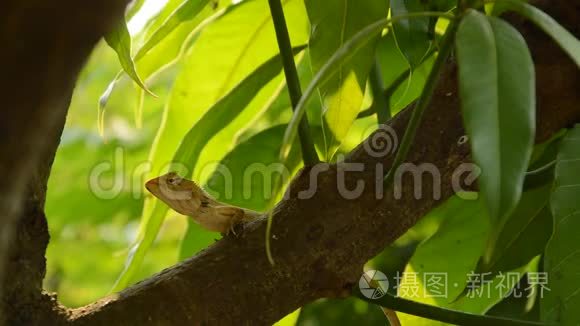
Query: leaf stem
[(380, 101), (445, 315), (423, 101), (542, 169), (309, 154)]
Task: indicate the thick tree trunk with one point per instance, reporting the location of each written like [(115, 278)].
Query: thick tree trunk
[(320, 244), (44, 46)]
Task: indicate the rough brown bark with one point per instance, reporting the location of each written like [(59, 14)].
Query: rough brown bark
[(320, 243), (44, 45)]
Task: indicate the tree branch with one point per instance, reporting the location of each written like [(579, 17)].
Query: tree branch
[(321, 243)]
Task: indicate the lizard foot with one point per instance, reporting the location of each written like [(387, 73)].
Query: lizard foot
[(235, 229)]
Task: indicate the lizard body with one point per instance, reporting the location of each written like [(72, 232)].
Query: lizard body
[(186, 197)]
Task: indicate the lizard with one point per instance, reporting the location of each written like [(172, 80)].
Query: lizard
[(187, 198)]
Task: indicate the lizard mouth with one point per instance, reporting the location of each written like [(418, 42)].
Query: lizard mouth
[(151, 184)]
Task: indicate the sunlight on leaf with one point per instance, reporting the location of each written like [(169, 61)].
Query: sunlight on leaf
[(120, 41), (333, 23), (133, 8), (168, 38), (290, 319), (186, 11), (169, 35)]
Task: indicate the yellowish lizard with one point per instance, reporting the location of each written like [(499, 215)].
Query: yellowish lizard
[(187, 198)]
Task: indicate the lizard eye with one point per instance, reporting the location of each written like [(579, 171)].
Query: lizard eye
[(174, 181)]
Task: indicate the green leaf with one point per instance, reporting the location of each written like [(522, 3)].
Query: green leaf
[(392, 62), (342, 55), (329, 69), (541, 171), (120, 41), (333, 23), (547, 151), (280, 108), (497, 8), (568, 42), (412, 35), (395, 68), (168, 36), (463, 232), (185, 12), (155, 21), (223, 111), (562, 259), (465, 312), (523, 236), (497, 90), (451, 255), (245, 174), (290, 319), (187, 154)]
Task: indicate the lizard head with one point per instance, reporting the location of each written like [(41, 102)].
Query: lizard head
[(177, 192)]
